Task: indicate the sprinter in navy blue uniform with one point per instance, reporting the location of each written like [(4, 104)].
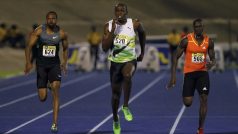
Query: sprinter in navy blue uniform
[(48, 63)]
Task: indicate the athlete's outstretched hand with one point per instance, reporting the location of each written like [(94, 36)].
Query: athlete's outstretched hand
[(28, 68), (171, 83), (64, 68)]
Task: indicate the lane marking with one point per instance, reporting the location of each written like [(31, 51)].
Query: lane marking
[(17, 85), (131, 100), (236, 77), (62, 106), (177, 120), (35, 94)]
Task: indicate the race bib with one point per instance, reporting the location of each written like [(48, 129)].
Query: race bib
[(49, 51), (198, 57), (120, 41)]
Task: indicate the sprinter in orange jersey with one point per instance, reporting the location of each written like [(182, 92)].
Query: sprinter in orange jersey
[(195, 46)]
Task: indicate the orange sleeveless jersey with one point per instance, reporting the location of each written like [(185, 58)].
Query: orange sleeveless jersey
[(195, 55)]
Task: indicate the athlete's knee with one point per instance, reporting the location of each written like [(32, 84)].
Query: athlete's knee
[(42, 93), (42, 97), (55, 85), (187, 102), (127, 77)]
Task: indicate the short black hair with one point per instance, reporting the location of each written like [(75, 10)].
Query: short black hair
[(51, 12), (197, 20), (122, 5)]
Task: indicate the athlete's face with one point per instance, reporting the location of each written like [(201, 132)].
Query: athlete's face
[(198, 28), (51, 20), (120, 13)]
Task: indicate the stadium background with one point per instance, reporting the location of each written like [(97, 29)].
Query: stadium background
[(157, 16)]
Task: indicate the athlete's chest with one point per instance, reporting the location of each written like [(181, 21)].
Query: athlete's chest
[(194, 48), (196, 53), (50, 39)]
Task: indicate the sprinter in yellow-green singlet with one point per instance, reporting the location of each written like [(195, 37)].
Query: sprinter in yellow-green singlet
[(120, 37)]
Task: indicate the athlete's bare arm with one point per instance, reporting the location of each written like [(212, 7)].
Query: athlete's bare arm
[(211, 53), (180, 49), (142, 37), (64, 39), (108, 36), (32, 41)]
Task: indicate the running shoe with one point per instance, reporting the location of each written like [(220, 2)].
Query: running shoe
[(116, 127), (54, 128), (200, 131), (127, 113)]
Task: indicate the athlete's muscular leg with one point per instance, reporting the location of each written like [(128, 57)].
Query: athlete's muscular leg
[(41, 82), (202, 110), (42, 93), (127, 72), (116, 94), (55, 85), (187, 101)]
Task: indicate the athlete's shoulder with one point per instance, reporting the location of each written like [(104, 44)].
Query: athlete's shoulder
[(208, 39), (136, 22), (38, 30), (184, 39), (57, 28), (184, 42), (61, 30), (189, 36), (63, 34)]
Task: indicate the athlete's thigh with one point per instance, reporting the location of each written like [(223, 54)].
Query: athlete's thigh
[(54, 73), (203, 83), (42, 78), (115, 72), (188, 85), (129, 68)]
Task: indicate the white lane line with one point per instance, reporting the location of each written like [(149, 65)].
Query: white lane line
[(236, 77), (17, 85), (131, 100), (18, 100), (62, 106), (35, 94), (177, 120)]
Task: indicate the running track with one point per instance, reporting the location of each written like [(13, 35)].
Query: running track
[(86, 109)]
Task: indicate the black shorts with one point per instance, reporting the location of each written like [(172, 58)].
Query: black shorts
[(47, 73), (196, 80), (116, 75)]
